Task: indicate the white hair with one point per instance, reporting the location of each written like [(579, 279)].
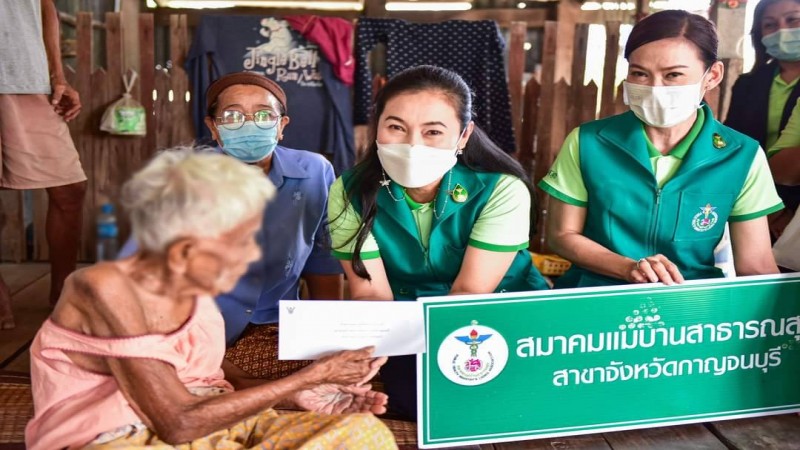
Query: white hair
[(187, 191)]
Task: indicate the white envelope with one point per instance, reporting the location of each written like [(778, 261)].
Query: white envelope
[(311, 329)]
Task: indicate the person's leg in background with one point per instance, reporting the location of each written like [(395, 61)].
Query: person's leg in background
[(62, 228), (38, 153)]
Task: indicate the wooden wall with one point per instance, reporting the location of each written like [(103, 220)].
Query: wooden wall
[(543, 110), (109, 160)]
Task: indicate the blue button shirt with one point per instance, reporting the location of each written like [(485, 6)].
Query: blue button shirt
[(294, 240)]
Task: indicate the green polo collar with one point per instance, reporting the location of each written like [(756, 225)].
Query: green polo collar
[(779, 80), (683, 146), (411, 203)]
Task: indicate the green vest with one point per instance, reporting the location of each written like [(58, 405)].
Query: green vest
[(414, 271), (630, 215)]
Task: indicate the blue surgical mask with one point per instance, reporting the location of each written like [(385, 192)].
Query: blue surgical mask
[(249, 143), (784, 44)]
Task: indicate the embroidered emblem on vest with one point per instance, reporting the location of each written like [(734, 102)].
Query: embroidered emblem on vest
[(718, 141), (706, 219), (459, 194)]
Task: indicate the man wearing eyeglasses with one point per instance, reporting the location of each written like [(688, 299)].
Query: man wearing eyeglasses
[(247, 116)]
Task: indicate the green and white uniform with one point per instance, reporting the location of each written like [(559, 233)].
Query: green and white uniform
[(423, 245), (640, 203), (779, 93)]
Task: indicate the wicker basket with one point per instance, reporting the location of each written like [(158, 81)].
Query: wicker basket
[(550, 265)]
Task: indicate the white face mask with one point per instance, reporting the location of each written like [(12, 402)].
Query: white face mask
[(663, 106), (414, 166)]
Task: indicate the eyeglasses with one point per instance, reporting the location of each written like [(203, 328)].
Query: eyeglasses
[(233, 120)]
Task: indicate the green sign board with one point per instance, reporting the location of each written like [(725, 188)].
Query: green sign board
[(531, 365)]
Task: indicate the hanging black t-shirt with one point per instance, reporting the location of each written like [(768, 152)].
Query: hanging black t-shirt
[(473, 49)]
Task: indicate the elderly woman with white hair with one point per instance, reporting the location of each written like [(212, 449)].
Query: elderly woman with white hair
[(131, 356)]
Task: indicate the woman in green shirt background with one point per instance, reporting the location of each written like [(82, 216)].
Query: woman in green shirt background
[(435, 208), (763, 99)]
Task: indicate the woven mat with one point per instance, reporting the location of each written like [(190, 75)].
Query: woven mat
[(16, 408), (405, 433)]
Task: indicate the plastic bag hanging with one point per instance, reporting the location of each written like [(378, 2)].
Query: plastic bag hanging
[(126, 116)]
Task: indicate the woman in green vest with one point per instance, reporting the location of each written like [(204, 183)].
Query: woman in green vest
[(644, 196), (763, 100), (435, 208)]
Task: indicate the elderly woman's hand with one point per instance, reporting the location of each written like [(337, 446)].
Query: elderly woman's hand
[(348, 367), (338, 399), (653, 269)]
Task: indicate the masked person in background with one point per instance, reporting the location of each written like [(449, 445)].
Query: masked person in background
[(246, 116), (435, 208), (763, 99), (644, 196)]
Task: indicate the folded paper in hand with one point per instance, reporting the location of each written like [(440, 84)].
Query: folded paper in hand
[(311, 329)]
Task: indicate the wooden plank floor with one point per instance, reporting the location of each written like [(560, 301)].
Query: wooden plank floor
[(29, 284)]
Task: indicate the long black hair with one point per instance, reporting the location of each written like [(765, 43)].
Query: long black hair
[(762, 57), (480, 153)]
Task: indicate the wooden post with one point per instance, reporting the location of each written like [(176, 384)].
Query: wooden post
[(568, 12), (374, 8), (642, 9), (108, 149), (516, 69), (589, 102), (115, 58), (730, 27), (578, 73), (183, 132), (544, 132), (610, 69), (130, 34), (530, 117), (147, 81), (732, 33), (551, 126)]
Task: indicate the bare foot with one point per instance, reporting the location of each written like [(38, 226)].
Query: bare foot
[(6, 317)]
